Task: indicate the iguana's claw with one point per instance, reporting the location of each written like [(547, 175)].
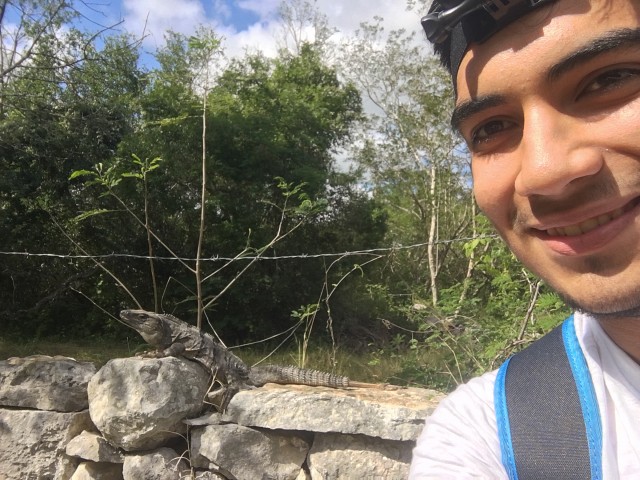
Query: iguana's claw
[(231, 390)]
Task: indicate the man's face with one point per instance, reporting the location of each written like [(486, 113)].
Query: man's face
[(550, 109)]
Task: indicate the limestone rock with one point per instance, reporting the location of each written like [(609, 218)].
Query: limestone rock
[(161, 464), (304, 475), (248, 454), (357, 456), (93, 447), (97, 471), (388, 414), (45, 383), (208, 475), (138, 404), (209, 418), (32, 443)]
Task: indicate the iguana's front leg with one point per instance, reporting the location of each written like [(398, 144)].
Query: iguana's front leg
[(173, 350), (230, 390), (236, 381)]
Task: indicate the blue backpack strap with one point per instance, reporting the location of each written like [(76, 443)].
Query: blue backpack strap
[(547, 412)]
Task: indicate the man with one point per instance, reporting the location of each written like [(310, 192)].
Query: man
[(548, 102)]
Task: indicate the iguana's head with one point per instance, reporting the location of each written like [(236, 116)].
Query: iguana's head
[(150, 325)]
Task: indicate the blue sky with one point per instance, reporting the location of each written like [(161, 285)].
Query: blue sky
[(237, 16), (252, 24)]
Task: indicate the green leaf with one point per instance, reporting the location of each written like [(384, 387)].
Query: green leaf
[(137, 160), (81, 173), (90, 213)]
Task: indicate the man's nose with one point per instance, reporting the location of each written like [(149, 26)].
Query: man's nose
[(555, 151)]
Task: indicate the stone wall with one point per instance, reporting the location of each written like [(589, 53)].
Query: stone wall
[(150, 419)]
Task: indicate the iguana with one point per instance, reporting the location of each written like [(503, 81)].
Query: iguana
[(174, 337)]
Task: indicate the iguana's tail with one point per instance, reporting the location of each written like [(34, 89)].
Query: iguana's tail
[(290, 375)]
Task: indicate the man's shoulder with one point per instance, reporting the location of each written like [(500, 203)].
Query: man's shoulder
[(460, 438), (471, 397)]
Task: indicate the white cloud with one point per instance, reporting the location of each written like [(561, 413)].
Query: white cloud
[(258, 37), (266, 9), (185, 15), (222, 9), (347, 16), (155, 17)]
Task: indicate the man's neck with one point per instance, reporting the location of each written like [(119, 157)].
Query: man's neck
[(625, 332)]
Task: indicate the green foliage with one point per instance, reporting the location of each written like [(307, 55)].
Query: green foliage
[(273, 126), (506, 308), (102, 158), (59, 112)]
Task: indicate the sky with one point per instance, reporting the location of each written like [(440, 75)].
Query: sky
[(244, 24)]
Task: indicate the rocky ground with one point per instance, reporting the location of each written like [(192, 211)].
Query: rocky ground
[(150, 419)]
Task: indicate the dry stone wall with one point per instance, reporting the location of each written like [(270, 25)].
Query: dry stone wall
[(149, 419)]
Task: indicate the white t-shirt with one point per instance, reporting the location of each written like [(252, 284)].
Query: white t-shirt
[(460, 439)]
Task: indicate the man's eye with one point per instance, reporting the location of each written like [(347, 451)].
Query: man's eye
[(487, 130), (612, 79)]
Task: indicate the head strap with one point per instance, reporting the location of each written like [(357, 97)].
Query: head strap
[(452, 25)]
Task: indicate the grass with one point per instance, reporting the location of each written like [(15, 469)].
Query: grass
[(356, 366), (362, 367), (97, 351)]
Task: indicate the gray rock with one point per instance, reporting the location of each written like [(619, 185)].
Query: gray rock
[(211, 418), (389, 414), (161, 464), (45, 383), (207, 475), (248, 454), (304, 475), (356, 457), (32, 443), (93, 447), (97, 471), (138, 404)]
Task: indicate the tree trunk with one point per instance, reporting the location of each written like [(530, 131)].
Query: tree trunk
[(432, 248)]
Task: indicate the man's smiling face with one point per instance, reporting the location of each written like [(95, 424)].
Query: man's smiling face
[(550, 109)]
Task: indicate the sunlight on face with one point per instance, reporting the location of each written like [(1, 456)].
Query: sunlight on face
[(550, 110)]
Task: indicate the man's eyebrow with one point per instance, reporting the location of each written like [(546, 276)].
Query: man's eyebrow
[(611, 40), (470, 107)]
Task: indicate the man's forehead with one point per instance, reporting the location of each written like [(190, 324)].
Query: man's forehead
[(519, 36), (526, 29), (452, 25), (546, 48)]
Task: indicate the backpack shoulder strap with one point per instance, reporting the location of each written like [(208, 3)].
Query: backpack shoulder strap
[(547, 412)]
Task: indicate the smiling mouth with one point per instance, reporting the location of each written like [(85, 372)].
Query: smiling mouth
[(587, 225), (592, 223)]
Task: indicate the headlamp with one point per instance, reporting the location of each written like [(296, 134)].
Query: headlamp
[(444, 16), (451, 25)]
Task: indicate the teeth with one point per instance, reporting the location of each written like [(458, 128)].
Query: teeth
[(573, 230), (586, 226)]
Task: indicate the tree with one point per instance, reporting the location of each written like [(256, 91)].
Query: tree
[(272, 126), (463, 298), (409, 152), (28, 28), (54, 121), (303, 25)]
